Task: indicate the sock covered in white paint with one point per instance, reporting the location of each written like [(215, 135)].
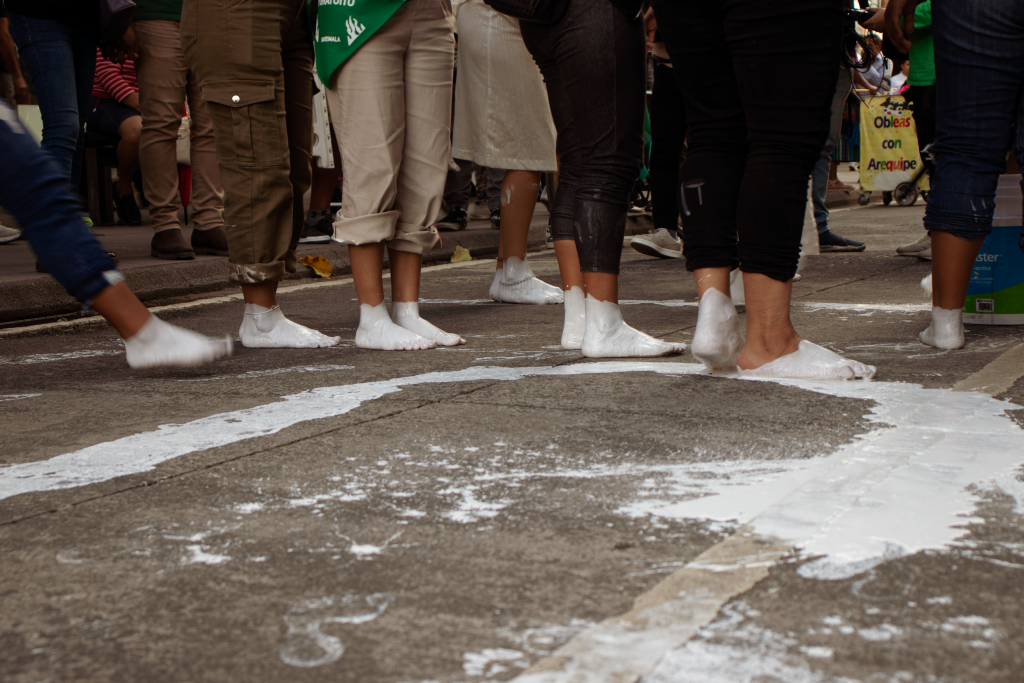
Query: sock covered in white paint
[(159, 344), (377, 331), (946, 330), (575, 319), (407, 315), (267, 328), (717, 341), (608, 336), (811, 361), (515, 283)]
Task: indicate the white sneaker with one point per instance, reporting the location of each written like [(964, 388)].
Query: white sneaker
[(8, 234), (924, 254), (660, 243), (915, 248), (479, 212)]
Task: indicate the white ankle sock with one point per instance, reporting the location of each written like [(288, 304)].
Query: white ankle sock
[(267, 328), (514, 283), (575, 325), (159, 344), (407, 315), (811, 361), (717, 341), (946, 330), (608, 336), (377, 331)]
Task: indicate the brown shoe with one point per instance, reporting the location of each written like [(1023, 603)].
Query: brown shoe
[(171, 245), (213, 241)]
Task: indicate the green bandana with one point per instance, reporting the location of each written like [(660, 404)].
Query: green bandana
[(342, 26)]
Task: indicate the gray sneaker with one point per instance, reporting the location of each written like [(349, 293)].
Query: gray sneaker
[(915, 248), (8, 234), (660, 243)]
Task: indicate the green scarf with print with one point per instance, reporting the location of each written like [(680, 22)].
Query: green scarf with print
[(342, 26)]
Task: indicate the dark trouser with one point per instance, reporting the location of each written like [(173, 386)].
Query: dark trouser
[(668, 144), (458, 185), (593, 63), (61, 59), (35, 189), (923, 97), (751, 143), (254, 63)]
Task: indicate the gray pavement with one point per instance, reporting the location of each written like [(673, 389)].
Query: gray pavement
[(488, 512)]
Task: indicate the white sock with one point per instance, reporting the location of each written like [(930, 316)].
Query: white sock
[(811, 361), (159, 344), (377, 331), (575, 319), (717, 341), (407, 315), (608, 336), (946, 330), (267, 328), (514, 283)]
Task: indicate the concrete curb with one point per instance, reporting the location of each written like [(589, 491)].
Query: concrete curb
[(37, 299)]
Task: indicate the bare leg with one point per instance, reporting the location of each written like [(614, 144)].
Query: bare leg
[(952, 266), (376, 330), (607, 335), (405, 296), (575, 325), (128, 153), (717, 340), (122, 309), (513, 280)]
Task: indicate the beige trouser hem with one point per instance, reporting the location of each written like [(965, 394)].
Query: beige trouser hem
[(385, 227)]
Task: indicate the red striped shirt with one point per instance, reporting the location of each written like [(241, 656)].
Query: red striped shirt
[(114, 80)]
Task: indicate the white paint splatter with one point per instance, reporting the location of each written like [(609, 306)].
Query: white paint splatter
[(16, 397), (492, 661), (308, 646), (200, 556), (277, 371), (55, 357)]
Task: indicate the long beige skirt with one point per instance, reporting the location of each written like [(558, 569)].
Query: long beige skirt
[(502, 117)]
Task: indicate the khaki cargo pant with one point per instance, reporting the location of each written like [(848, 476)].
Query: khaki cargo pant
[(254, 62), (164, 82), (390, 105)]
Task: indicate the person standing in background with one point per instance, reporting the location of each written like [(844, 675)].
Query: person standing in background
[(254, 64), (165, 84), (13, 88)]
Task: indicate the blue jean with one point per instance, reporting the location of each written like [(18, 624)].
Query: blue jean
[(62, 61), (819, 176), (979, 66), (34, 189)]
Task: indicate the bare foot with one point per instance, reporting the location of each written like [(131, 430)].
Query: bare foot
[(514, 283), (717, 341), (267, 328), (407, 315), (575, 325), (376, 331), (811, 361), (158, 344), (946, 331), (608, 336)]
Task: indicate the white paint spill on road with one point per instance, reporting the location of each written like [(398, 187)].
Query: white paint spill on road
[(16, 397), (56, 357), (841, 506), (277, 371), (812, 306)]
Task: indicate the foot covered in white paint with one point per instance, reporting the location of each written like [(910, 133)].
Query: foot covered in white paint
[(377, 331), (267, 328), (811, 361), (946, 331), (407, 315), (161, 345), (514, 283), (575, 319), (717, 341), (608, 336)]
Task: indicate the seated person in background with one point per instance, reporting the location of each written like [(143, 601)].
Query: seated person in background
[(115, 112)]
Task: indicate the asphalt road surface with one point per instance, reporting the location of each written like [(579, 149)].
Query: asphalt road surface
[(509, 510)]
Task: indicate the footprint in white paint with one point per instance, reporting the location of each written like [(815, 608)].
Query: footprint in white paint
[(308, 646)]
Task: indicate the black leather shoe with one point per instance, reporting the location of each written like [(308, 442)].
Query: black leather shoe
[(213, 241), (127, 210), (171, 245)]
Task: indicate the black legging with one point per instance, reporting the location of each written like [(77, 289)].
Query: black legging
[(923, 98), (758, 78), (593, 62), (668, 143)]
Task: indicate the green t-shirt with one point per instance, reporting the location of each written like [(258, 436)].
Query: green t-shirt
[(922, 52), (168, 10), (342, 26)]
